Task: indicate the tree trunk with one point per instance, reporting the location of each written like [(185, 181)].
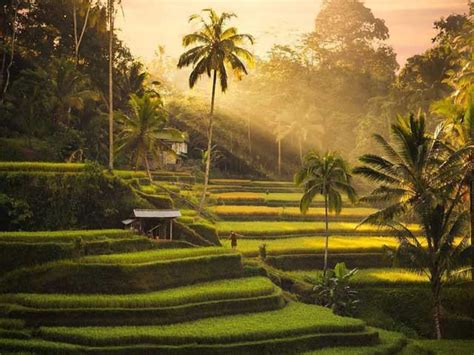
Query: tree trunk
[(435, 292), (12, 50), (78, 38), (471, 197), (209, 144), (147, 165), (249, 136), (111, 90), (300, 143), (326, 247)]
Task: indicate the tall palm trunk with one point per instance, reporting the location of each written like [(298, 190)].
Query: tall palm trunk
[(326, 247), (435, 292), (279, 157), (209, 143), (300, 143), (249, 136), (471, 197), (111, 90)]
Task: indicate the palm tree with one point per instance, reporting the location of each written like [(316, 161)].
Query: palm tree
[(327, 175), (144, 130), (457, 112), (422, 178), (217, 49), (111, 21), (69, 89)]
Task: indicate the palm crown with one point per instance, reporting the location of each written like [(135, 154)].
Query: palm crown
[(327, 175), (216, 48), (144, 130)]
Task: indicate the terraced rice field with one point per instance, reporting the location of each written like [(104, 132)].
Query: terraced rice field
[(274, 229), (178, 301), (308, 245)]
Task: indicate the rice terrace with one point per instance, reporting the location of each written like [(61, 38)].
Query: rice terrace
[(237, 177)]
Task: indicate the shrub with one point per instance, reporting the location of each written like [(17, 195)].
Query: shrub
[(13, 212), (67, 201), (333, 291), (405, 309)]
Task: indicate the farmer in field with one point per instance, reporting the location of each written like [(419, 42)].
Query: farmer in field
[(233, 240)]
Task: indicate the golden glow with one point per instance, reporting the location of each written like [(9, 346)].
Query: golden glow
[(149, 23)]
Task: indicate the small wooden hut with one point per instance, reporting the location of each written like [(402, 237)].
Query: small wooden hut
[(153, 223)]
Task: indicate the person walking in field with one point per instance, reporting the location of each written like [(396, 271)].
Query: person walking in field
[(233, 240)]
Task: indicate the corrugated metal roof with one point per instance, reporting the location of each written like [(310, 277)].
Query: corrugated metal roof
[(128, 221), (139, 213)]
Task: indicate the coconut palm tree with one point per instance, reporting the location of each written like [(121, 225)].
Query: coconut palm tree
[(69, 89), (422, 178), (143, 131), (327, 175), (111, 21), (217, 49)]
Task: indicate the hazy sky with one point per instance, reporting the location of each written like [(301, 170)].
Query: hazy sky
[(149, 23)]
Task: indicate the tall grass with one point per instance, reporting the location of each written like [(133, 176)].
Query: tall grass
[(209, 291)]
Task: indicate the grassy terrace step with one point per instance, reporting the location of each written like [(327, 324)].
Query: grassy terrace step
[(218, 189), (390, 343), (240, 182), (261, 213), (264, 198), (148, 315), (292, 321), (315, 245), (113, 276), (372, 277), (208, 291), (64, 236), (154, 255), (262, 229), (311, 261), (287, 345)]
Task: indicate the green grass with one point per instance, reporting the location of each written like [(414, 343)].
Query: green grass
[(153, 255), (371, 276), (235, 211), (390, 343), (294, 319), (41, 166), (262, 228), (209, 291), (64, 236), (305, 245), (440, 347), (7, 323)]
